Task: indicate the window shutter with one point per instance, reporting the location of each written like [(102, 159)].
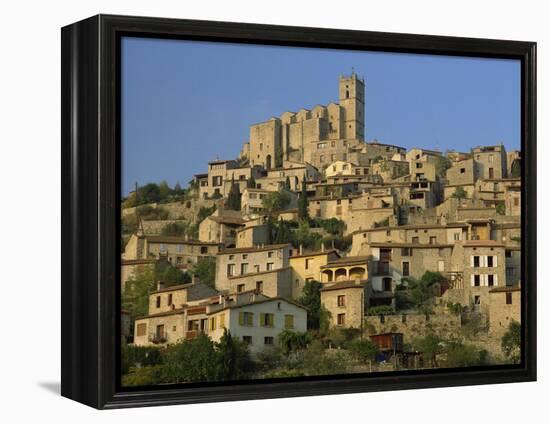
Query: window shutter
[(262, 319), (271, 320), (472, 263), (472, 279), (484, 261), (222, 320), (241, 318), (495, 279), (495, 264)]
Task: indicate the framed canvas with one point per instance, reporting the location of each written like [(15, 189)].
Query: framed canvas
[(254, 211)]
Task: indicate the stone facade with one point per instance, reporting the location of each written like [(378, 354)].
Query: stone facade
[(345, 301)]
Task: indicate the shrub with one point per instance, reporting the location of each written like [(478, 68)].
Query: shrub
[(143, 376), (364, 350), (175, 229), (380, 310)]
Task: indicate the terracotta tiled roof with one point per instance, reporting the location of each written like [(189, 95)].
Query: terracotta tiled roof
[(178, 240), (253, 249), (348, 260)]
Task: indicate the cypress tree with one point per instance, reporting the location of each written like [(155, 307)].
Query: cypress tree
[(302, 201)]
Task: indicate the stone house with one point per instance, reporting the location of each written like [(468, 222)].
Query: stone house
[(306, 266), (490, 162), (252, 235), (221, 227), (512, 197), (130, 267), (179, 251), (504, 307), (513, 265), (250, 260), (340, 167), (272, 283), (275, 179), (345, 300), (257, 321), (461, 175), (252, 317)]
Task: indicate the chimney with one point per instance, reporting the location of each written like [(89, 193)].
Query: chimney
[(160, 285), (322, 247), (301, 249)]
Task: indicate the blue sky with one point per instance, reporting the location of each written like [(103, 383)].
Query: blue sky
[(185, 103)]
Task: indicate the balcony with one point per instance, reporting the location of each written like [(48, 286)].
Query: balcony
[(158, 338)]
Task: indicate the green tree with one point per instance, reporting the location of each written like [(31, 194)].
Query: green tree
[(441, 165), (276, 201), (205, 270), (283, 232), (501, 208), (287, 184), (135, 297), (169, 274), (511, 342), (251, 182), (302, 201), (460, 193), (174, 229), (191, 360), (291, 341), (515, 168), (164, 191), (364, 350), (234, 361), (430, 346), (462, 355), (205, 212), (234, 197), (311, 300)]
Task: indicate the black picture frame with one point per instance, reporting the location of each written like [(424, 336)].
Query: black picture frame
[(91, 162)]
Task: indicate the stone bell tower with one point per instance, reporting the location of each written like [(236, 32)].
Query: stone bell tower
[(352, 100)]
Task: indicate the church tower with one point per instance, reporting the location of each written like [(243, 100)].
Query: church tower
[(352, 100)]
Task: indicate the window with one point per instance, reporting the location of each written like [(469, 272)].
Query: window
[(341, 300), (222, 320), (386, 284), (268, 340), (406, 271), (245, 256), (204, 250), (476, 262), (162, 247), (247, 340), (516, 201), (141, 329), (256, 268), (260, 286), (406, 251), (321, 146), (477, 280), (193, 325), (158, 301), (289, 321), (433, 240), (490, 280), (321, 158), (490, 261), (212, 324), (456, 236), (231, 257), (462, 170), (217, 181), (415, 240), (267, 320), (230, 270), (246, 319), (269, 254), (308, 263), (240, 288), (179, 248), (244, 268), (508, 298), (388, 233), (491, 159), (341, 319), (418, 165), (270, 266), (169, 299)]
